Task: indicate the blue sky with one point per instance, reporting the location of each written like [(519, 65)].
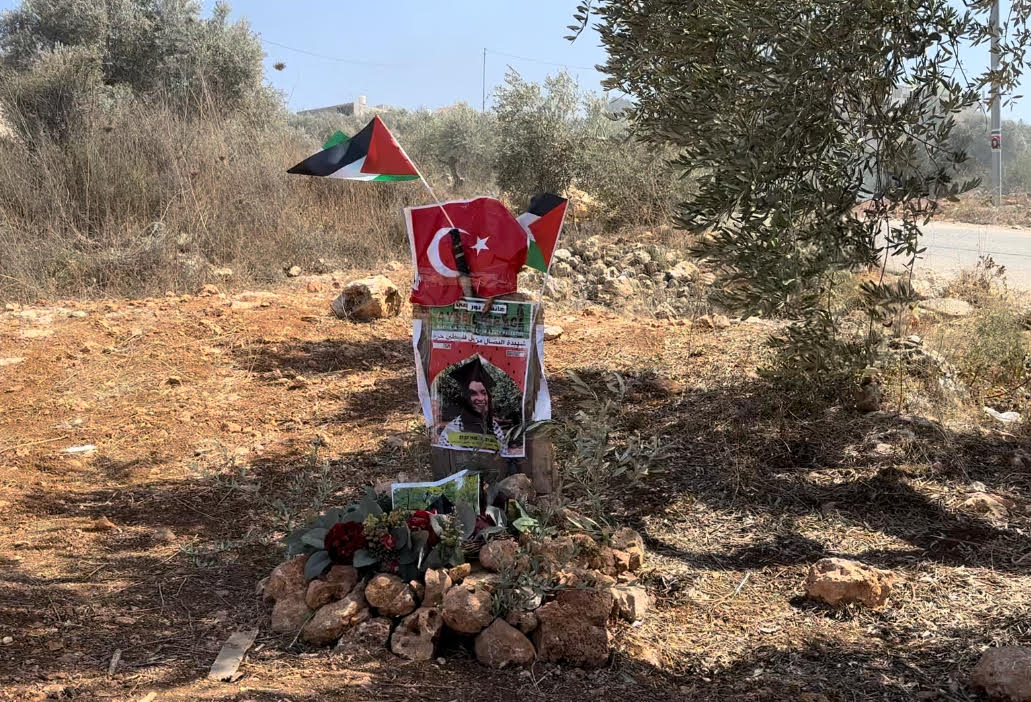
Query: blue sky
[(432, 52), (426, 53)]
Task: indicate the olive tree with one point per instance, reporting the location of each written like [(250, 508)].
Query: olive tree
[(59, 56), (540, 135), (788, 116)]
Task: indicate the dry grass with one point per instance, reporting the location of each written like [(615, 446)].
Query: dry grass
[(977, 208), (142, 202)]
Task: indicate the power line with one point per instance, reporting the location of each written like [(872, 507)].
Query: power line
[(982, 251), (360, 62), (356, 62), (540, 61)]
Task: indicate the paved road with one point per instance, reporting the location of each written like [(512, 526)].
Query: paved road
[(952, 247)]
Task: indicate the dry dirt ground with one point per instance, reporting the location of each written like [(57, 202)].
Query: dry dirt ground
[(212, 416)]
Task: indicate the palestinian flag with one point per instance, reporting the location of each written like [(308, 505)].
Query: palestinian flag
[(371, 154), (543, 223)]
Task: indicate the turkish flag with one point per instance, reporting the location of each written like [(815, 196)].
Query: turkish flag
[(493, 241)]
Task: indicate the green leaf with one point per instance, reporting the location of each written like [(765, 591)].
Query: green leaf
[(409, 571), (370, 503), (316, 565), (525, 524), (434, 559), (330, 517), (402, 537), (467, 517), (437, 523), (418, 540), (455, 556), (295, 541), (315, 537), (497, 515), (491, 531), (363, 558), (409, 555)]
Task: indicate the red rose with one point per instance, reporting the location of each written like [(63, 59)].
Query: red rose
[(343, 540), (420, 521), (388, 541), (392, 566)]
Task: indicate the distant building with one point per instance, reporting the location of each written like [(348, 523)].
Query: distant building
[(358, 108)]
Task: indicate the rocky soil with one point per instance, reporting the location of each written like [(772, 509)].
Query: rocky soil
[(153, 452)]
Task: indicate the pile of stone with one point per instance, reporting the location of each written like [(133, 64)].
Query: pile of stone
[(618, 273), (924, 362), (585, 586)]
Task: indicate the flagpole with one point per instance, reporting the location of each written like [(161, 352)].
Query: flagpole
[(465, 275), (426, 184)]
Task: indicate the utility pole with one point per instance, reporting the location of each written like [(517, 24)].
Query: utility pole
[(996, 135), (483, 88)]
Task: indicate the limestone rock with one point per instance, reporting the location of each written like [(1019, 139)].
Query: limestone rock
[(459, 572), (629, 541), (586, 549), (624, 561), (369, 636), (320, 593), (286, 579), (334, 585), (332, 620), (1005, 673), (683, 271), (367, 299), (499, 554), (838, 581), (482, 580), (988, 504), (562, 636), (467, 611), (437, 582), (390, 595), (561, 269), (619, 287), (501, 645), (415, 638), (641, 257), (947, 306), (344, 576), (524, 620), (290, 613), (590, 604), (293, 271), (867, 397), (552, 332), (517, 487), (631, 603), (720, 321), (1010, 417), (554, 552)]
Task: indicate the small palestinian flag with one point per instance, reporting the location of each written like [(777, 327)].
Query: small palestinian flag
[(371, 154), (543, 222)]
